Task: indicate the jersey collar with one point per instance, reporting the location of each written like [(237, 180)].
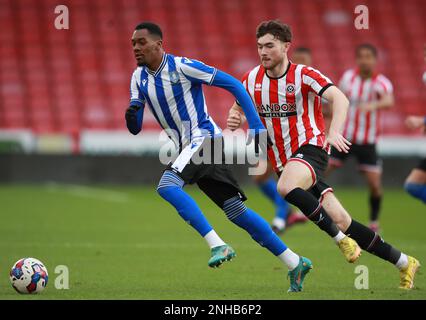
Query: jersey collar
[(162, 64), (285, 72)]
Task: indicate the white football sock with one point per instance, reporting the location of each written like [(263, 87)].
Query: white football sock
[(279, 223), (339, 236), (213, 240), (402, 262), (290, 259)]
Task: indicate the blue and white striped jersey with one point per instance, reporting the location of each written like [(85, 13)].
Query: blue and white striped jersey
[(175, 97)]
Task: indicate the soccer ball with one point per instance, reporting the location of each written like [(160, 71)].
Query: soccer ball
[(28, 275)]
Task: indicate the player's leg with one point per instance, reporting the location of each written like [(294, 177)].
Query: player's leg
[(371, 167), (371, 241), (299, 175), (334, 208), (268, 185), (366, 238), (222, 188), (178, 173), (415, 184), (374, 181)]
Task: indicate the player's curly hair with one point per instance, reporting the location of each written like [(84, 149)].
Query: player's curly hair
[(153, 29), (279, 30)]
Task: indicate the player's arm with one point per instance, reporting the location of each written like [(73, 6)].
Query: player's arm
[(134, 113), (384, 89), (326, 107), (198, 72), (229, 83), (416, 122), (339, 104), (386, 100), (236, 117), (339, 107)]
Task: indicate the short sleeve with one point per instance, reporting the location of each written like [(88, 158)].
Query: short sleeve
[(196, 71), (136, 97), (383, 85), (316, 81)]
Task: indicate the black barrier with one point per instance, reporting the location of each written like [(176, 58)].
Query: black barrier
[(86, 169)]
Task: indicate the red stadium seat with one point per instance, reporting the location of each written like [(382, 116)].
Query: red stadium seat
[(68, 80)]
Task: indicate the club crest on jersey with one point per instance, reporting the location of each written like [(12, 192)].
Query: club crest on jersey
[(174, 77), (290, 88), (144, 82)]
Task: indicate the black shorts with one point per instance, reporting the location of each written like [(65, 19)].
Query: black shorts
[(213, 176), (316, 159), (422, 165), (366, 155)]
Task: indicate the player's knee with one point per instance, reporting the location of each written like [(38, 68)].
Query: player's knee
[(169, 181), (234, 208)]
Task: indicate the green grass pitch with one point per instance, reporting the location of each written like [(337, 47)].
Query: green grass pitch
[(127, 243)]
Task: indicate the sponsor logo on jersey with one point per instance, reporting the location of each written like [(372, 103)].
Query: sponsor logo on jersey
[(276, 110)]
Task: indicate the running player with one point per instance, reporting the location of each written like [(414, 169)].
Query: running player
[(171, 86), (285, 217), (284, 94), (368, 92)]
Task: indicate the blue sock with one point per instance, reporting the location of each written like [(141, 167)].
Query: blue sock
[(416, 190), (170, 189), (254, 224), (269, 188)]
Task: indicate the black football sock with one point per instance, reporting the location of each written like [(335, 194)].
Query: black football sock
[(311, 208), (375, 203), (372, 242)]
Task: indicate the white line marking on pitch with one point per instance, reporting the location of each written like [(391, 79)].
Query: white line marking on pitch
[(89, 192)]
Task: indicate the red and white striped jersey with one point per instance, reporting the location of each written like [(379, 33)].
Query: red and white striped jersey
[(363, 127), (290, 108)]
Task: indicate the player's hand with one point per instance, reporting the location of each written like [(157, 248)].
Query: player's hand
[(415, 122), (234, 120), (368, 106), (131, 113), (338, 141)]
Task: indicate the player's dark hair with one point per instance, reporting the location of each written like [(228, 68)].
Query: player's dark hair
[(367, 46), (279, 30), (302, 50), (152, 28)]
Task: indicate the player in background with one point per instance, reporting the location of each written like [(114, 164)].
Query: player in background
[(171, 86), (285, 217), (415, 184), (284, 93), (368, 92)]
